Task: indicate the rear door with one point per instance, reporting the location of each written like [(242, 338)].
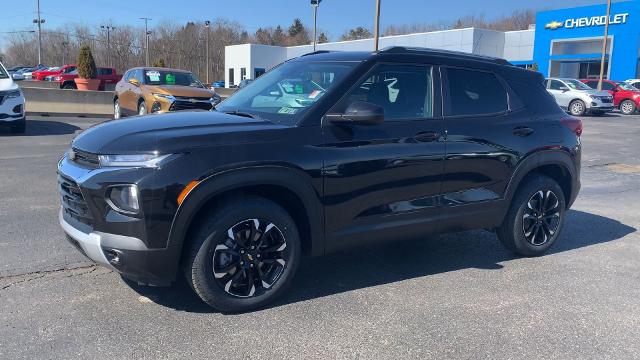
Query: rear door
[(382, 181), (488, 133)]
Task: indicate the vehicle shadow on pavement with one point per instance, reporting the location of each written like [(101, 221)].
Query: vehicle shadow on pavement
[(397, 261), (43, 127)]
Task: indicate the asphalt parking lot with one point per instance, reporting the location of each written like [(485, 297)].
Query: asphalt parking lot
[(451, 296)]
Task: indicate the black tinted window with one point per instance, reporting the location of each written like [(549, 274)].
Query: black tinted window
[(104, 71), (405, 92), (475, 93), (606, 86)]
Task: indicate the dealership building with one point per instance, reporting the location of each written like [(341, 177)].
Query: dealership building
[(562, 43)]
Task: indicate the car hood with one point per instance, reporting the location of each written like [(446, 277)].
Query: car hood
[(596, 92), (172, 133), (7, 84), (178, 90)]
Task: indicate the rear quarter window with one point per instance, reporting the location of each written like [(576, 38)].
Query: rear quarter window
[(535, 96)]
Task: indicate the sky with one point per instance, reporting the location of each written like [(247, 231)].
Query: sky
[(334, 16)]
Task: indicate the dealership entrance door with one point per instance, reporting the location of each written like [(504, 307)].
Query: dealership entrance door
[(578, 69)]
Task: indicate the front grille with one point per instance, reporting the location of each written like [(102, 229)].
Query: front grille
[(191, 104), (84, 158), (73, 203)]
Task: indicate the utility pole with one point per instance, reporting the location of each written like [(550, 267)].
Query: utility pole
[(315, 4), (39, 21), (109, 29), (146, 34), (377, 26), (604, 45), (64, 52), (207, 25)]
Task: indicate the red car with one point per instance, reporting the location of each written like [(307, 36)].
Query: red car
[(625, 97), (42, 74), (105, 75)]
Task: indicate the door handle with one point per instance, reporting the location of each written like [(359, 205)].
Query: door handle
[(522, 131), (427, 136)]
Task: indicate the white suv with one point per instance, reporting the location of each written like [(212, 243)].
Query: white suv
[(578, 98), (12, 112)]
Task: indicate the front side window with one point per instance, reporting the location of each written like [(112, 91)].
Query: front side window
[(475, 92), (285, 93), (606, 85), (403, 91), (556, 85)]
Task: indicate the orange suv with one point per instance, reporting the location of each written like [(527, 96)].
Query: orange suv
[(146, 90)]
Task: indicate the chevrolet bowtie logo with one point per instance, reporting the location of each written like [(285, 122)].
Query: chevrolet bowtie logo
[(553, 25)]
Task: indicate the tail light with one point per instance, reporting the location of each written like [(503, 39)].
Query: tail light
[(574, 124)]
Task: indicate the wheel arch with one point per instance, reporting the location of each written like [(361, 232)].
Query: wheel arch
[(287, 187), (557, 165)]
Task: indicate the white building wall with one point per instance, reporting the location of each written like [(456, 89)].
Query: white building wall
[(518, 45), (511, 45)]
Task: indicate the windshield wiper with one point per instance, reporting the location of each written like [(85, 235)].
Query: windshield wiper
[(240, 113)]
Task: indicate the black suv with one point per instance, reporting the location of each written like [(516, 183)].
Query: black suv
[(325, 151)]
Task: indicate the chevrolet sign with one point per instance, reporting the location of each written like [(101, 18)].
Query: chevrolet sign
[(588, 21)]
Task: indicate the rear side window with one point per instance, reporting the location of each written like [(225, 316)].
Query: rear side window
[(474, 92), (535, 96)]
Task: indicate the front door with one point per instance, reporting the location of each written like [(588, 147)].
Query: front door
[(382, 181)]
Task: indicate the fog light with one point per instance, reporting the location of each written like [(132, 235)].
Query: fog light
[(17, 109), (114, 257), (594, 103), (155, 107), (124, 198)]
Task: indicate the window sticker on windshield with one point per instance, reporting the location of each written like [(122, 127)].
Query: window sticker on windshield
[(287, 110), (170, 79), (314, 94), (298, 89), (153, 75)]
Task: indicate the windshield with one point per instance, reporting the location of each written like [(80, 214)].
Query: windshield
[(180, 78), (625, 86), (577, 85), (285, 93), (3, 74)]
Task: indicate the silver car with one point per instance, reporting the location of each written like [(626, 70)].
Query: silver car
[(577, 98)]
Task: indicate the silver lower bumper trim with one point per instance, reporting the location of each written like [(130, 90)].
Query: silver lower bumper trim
[(90, 243)]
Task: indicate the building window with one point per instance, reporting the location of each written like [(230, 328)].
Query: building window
[(258, 72), (231, 80), (243, 73)]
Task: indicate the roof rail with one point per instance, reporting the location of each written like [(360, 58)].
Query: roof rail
[(317, 52), (431, 51)]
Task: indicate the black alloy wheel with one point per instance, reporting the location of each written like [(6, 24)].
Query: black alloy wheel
[(251, 259), (541, 218)]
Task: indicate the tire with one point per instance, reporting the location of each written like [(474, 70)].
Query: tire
[(20, 127), (627, 107), (522, 231), (117, 112), (142, 108), (69, 86), (577, 108), (231, 277)]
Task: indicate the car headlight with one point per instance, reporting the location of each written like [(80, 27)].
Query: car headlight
[(163, 96), (124, 198), (137, 160), (13, 94)]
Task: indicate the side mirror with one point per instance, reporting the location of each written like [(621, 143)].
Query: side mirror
[(134, 82), (359, 113), (564, 88)]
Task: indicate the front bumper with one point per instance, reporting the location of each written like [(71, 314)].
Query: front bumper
[(598, 104), (11, 109)]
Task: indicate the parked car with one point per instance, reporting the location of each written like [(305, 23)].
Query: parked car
[(19, 75), (625, 97), (218, 84), (578, 98), (634, 82), (12, 112), (158, 90), (105, 75), (28, 73), (234, 198), (58, 70)]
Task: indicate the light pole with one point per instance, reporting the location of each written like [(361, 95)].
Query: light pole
[(39, 21), (377, 26), (109, 29), (315, 4), (146, 35), (64, 52), (604, 45), (207, 25)]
